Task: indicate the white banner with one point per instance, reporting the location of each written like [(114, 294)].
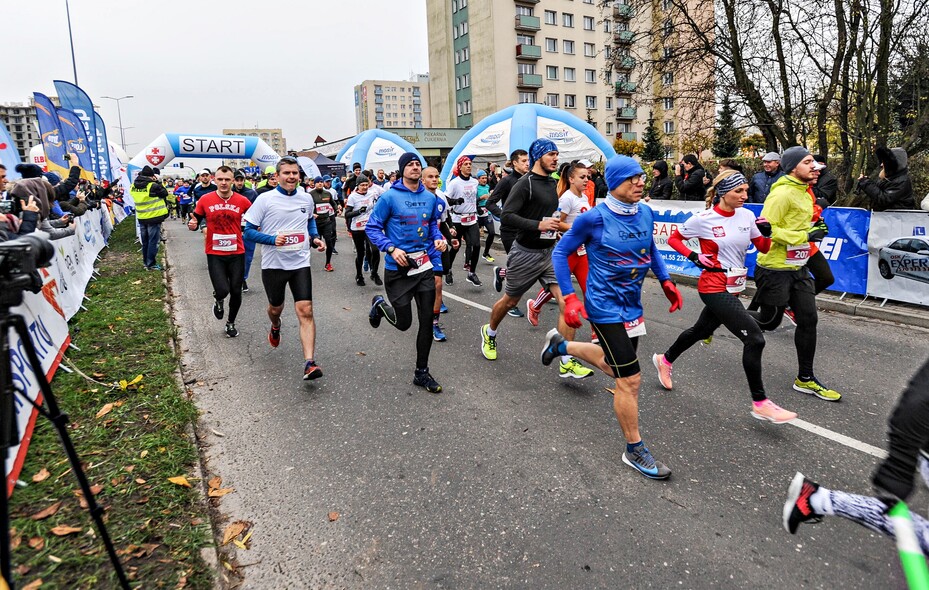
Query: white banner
[(898, 256)]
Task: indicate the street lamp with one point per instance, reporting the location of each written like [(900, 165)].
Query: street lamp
[(119, 113)]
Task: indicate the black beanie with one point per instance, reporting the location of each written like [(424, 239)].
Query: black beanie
[(405, 159), (147, 171), (29, 170)]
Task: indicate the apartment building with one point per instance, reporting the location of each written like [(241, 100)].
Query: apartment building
[(273, 137), (19, 119), (393, 103)]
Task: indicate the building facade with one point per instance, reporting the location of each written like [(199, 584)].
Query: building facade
[(272, 137), (597, 59), (20, 120), (393, 103)]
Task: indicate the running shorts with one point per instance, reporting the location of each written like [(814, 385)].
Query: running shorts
[(525, 266), (275, 281), (618, 348)]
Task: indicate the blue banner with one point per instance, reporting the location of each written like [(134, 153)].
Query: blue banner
[(73, 132), (76, 100), (9, 155), (50, 130), (103, 149)]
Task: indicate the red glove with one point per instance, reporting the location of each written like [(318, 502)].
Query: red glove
[(673, 295), (574, 311)]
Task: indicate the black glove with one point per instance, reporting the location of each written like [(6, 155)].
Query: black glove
[(819, 231), (764, 226), (363, 209), (455, 201)]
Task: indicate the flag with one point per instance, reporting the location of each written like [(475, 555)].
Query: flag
[(52, 140), (9, 155), (73, 132), (76, 100), (103, 149)]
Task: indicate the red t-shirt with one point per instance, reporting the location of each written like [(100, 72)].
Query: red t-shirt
[(223, 222)]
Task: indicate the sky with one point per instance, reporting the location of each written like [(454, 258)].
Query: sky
[(199, 66)]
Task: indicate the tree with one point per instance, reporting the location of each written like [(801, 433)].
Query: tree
[(754, 144), (726, 142), (625, 147), (652, 150)]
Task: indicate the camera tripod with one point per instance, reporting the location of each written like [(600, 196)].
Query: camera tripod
[(9, 437)]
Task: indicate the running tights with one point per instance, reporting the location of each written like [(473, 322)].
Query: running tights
[(471, 234), (403, 316), (226, 274), (726, 309), (803, 305), (327, 231), (488, 224), (822, 274), (364, 249)]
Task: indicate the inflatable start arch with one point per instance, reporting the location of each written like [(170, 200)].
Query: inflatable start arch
[(169, 146)]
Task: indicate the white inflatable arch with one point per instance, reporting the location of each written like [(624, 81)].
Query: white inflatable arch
[(169, 146)]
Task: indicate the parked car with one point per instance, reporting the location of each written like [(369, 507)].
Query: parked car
[(906, 257)]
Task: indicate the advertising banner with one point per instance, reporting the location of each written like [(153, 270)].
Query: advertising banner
[(898, 256), (103, 149), (73, 132), (52, 140), (76, 100)]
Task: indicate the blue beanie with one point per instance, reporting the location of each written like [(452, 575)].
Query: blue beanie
[(52, 177), (480, 173), (405, 159), (619, 169), (318, 179), (539, 148)]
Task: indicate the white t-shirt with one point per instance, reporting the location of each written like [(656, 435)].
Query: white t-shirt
[(278, 214), (356, 201), (727, 237), (572, 205), (459, 188)]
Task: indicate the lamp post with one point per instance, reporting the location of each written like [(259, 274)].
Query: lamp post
[(71, 41), (119, 114)]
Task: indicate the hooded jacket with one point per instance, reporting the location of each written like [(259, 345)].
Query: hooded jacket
[(661, 186), (408, 220), (157, 191), (894, 191), (690, 184)]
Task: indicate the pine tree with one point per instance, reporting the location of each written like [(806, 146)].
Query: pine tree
[(652, 140), (728, 139)]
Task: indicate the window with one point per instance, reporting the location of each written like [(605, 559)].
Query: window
[(609, 103), (590, 50), (466, 80), (590, 102), (458, 108), (467, 106), (464, 28), (669, 127), (525, 68), (523, 10), (609, 128), (551, 18), (455, 32), (570, 75), (588, 23), (551, 100), (570, 101), (668, 52), (568, 47), (608, 76), (588, 1), (607, 26), (457, 84), (668, 103), (667, 78), (466, 54), (551, 45), (567, 20), (668, 27), (590, 76), (527, 97), (463, 3), (551, 72), (454, 5), (457, 57), (525, 39)]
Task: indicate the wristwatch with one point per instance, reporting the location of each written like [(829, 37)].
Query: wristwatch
[(390, 249)]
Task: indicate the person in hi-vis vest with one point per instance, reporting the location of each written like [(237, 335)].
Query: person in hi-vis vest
[(151, 209)]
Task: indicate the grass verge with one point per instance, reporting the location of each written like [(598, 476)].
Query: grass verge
[(130, 441)]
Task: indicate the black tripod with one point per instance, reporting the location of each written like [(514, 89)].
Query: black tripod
[(9, 437)]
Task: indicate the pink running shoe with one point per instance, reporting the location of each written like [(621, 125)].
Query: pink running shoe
[(664, 370), (770, 411)]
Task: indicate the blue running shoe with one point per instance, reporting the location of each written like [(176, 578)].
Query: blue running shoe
[(515, 313), (365, 266), (642, 461), (437, 334), (444, 308), (376, 313)]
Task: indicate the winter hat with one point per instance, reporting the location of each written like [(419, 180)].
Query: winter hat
[(356, 166), (29, 170), (539, 148), (147, 171), (480, 173), (771, 157), (52, 178), (662, 167), (405, 160), (361, 179), (327, 178), (793, 156), (619, 169), (729, 182)]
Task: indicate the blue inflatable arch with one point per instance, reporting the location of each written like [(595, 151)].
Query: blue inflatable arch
[(375, 149)]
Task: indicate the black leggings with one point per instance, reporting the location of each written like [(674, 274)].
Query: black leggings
[(472, 237), (803, 305), (327, 231), (487, 222), (226, 274), (822, 274), (403, 319), (365, 249), (726, 309)]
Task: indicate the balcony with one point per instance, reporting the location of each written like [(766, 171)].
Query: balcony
[(378, 100), (417, 110), (416, 91), (623, 37), (621, 10), (528, 23), (524, 51), (527, 1), (627, 136), (625, 87), (529, 81), (378, 90), (417, 100), (624, 62), (378, 109), (625, 113)]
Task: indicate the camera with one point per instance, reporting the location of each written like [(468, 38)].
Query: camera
[(20, 261)]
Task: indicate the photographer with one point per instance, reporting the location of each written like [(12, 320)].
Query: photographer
[(12, 226), (689, 175), (34, 186)]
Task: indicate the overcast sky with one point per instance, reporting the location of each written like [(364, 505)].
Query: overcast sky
[(198, 66)]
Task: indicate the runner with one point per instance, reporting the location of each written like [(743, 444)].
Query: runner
[(781, 275), (404, 224), (225, 251), (358, 209), (325, 217), (484, 220), (285, 216), (205, 186), (431, 182), (725, 232), (462, 196), (519, 159), (239, 185), (620, 250), (184, 201)]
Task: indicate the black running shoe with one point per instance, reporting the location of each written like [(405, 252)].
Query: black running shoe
[(311, 371), (245, 286), (473, 279), (376, 313), (550, 352), (360, 281), (797, 508), (449, 278), (499, 276), (422, 378), (218, 309), (377, 279), (231, 332)]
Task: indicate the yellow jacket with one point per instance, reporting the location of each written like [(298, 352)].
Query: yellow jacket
[(789, 208)]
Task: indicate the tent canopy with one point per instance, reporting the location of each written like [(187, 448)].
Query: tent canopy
[(329, 166), (375, 149), (496, 136)]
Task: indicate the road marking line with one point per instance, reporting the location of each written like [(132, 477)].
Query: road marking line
[(801, 424)]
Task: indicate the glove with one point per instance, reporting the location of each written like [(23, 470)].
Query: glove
[(673, 295), (455, 201), (574, 311), (764, 226), (363, 208), (819, 231), (701, 260)]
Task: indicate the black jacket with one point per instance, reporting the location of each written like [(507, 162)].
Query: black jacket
[(826, 189), (63, 189), (894, 191), (690, 186), (662, 186)]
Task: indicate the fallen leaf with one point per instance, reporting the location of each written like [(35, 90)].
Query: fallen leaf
[(139, 282), (142, 500), (98, 376), (362, 353), (23, 569), (33, 584), (42, 514), (196, 521), (54, 559), (140, 481), (347, 308), (333, 516), (15, 540), (234, 530), (143, 454), (106, 409), (129, 468), (180, 480), (181, 583), (37, 543), (62, 530), (42, 475), (219, 492), (216, 432), (239, 544), (215, 482), (96, 489)]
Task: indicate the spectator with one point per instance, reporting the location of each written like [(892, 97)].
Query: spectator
[(151, 208), (894, 189), (75, 206), (689, 179), (34, 188), (662, 186), (826, 189), (761, 182)]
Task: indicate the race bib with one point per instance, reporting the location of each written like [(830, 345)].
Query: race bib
[(359, 223), (294, 240), (735, 279), (798, 255), (225, 242), (324, 209), (419, 260), (469, 219), (635, 327), (582, 251)]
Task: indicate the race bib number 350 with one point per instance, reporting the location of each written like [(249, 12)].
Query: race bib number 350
[(294, 240)]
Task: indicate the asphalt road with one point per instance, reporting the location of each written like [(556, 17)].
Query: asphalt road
[(512, 478)]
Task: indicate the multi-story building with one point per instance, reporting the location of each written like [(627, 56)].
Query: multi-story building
[(272, 137), (20, 120), (393, 103), (583, 56)]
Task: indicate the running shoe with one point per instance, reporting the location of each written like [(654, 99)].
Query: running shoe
[(449, 278), (531, 314), (499, 276), (473, 279), (274, 336), (311, 371), (154, 267), (244, 286), (789, 314), (376, 313), (707, 341), (334, 251), (231, 332), (594, 339), (515, 313), (364, 265), (642, 461), (664, 371), (488, 258), (422, 378), (772, 412), (329, 268), (573, 369), (437, 334), (443, 308), (488, 344), (797, 508), (218, 309), (814, 387), (360, 281), (550, 352), (377, 279)]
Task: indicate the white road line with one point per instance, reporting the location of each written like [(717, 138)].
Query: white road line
[(801, 424)]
